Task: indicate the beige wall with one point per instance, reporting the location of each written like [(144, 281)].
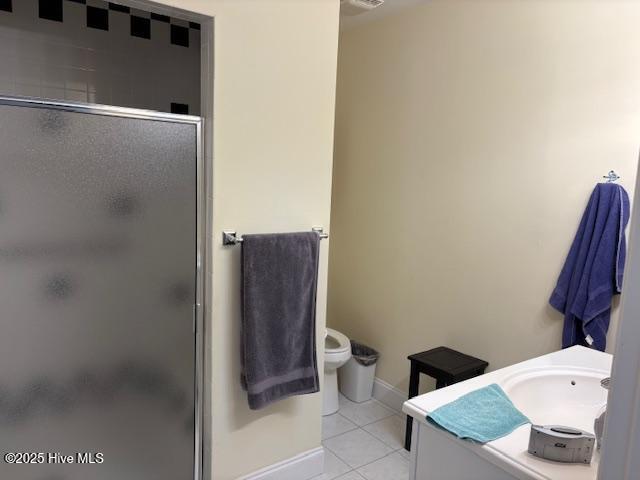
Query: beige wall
[(275, 67), (469, 136)]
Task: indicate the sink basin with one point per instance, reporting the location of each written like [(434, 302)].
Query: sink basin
[(570, 396)]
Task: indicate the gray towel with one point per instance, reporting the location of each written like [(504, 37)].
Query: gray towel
[(279, 280)]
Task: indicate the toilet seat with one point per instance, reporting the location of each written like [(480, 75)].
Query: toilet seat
[(337, 352), (336, 342)]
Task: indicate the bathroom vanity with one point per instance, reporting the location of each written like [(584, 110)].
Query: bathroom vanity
[(561, 388)]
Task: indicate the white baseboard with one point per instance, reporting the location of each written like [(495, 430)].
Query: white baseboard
[(305, 466), (391, 396)]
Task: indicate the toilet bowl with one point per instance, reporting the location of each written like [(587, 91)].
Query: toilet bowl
[(337, 352)]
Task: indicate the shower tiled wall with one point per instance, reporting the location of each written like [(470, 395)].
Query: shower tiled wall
[(99, 52)]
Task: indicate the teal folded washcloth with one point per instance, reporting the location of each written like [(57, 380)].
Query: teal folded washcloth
[(481, 416)]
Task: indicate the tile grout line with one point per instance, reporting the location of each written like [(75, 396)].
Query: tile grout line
[(374, 461), (361, 427), (393, 413), (366, 464)]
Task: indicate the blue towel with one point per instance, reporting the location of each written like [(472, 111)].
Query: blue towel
[(592, 273), (482, 415)]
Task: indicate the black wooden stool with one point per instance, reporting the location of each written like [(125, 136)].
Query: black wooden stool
[(446, 366)]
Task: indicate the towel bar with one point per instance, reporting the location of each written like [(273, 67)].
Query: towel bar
[(229, 237)]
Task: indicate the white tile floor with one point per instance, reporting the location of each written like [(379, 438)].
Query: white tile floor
[(364, 441)]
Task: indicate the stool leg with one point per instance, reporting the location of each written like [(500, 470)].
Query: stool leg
[(414, 384)]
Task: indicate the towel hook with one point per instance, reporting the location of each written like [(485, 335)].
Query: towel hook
[(611, 176)]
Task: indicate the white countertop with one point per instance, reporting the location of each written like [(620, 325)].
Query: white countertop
[(510, 452)]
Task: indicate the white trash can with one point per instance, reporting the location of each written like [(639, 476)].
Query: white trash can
[(356, 376)]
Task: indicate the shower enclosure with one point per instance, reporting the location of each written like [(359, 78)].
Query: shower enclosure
[(100, 293)]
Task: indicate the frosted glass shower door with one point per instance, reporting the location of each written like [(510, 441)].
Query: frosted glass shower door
[(98, 275)]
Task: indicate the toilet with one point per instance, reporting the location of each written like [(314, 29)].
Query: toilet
[(337, 352)]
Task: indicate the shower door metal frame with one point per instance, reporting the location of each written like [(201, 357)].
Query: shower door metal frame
[(201, 237)]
